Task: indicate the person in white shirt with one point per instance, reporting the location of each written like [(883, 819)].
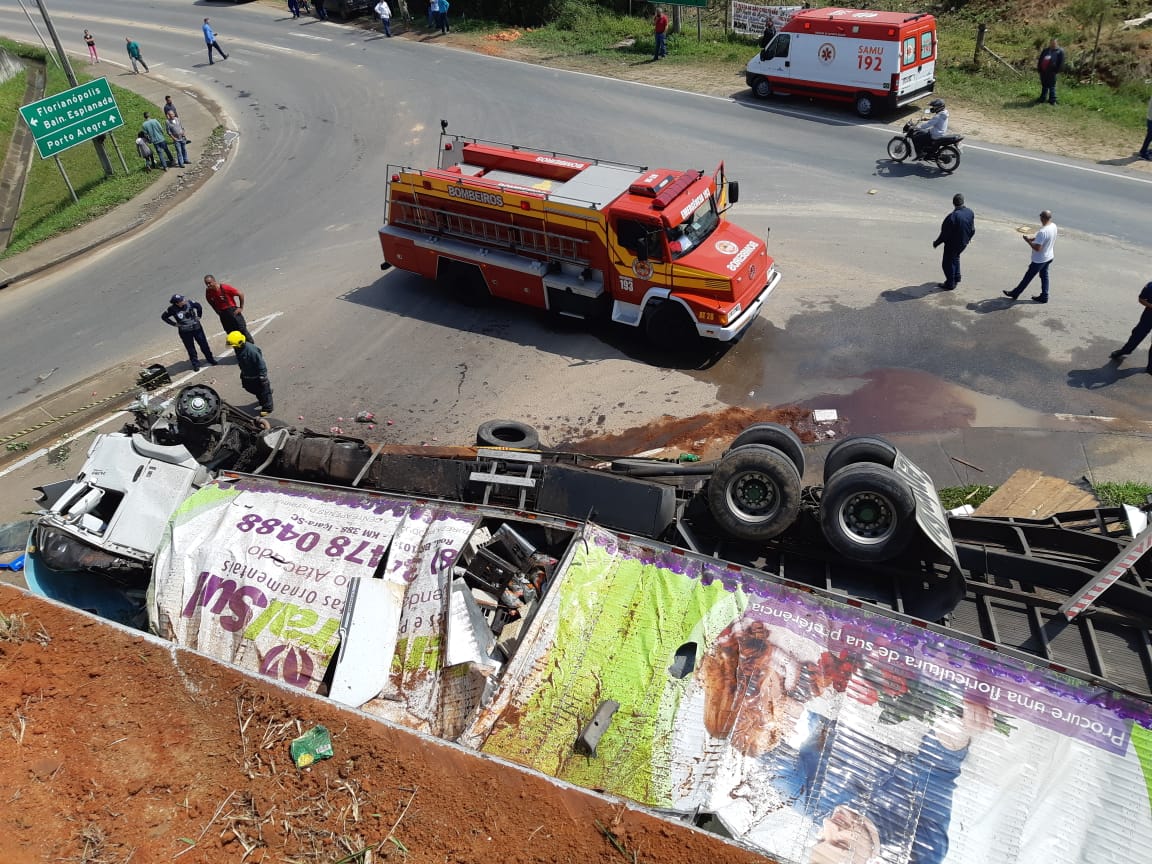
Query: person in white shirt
[(934, 127), (1043, 251), (384, 13)]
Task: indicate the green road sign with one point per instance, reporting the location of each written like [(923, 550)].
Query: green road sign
[(72, 117)]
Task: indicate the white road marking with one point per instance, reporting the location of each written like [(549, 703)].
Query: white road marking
[(310, 36), (257, 325)]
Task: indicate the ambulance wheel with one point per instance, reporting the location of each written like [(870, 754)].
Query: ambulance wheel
[(867, 513), (865, 106), (858, 448), (667, 326), (754, 493), (774, 435), (507, 433), (948, 158), (899, 149), (761, 87)]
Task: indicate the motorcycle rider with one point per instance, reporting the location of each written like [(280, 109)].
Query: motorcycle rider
[(931, 129)]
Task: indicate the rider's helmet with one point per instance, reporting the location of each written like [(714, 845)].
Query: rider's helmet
[(236, 339), (936, 106)]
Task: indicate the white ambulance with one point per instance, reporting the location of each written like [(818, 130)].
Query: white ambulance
[(874, 60)]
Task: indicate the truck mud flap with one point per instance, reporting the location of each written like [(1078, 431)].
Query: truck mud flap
[(633, 506)]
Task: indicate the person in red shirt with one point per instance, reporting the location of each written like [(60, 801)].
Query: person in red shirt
[(660, 28), (229, 305)]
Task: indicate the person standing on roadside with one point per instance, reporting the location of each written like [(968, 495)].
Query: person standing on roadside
[(144, 149), (444, 28), (185, 315), (1048, 65), (159, 143), (1144, 154), (433, 13), (228, 302), (1043, 251), (769, 33), (1140, 331), (179, 138), (90, 41), (956, 232), (168, 107), (660, 29), (253, 370), (135, 56), (384, 13), (321, 12), (210, 41)]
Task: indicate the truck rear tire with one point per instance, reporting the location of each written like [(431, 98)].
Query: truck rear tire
[(865, 104), (507, 433), (667, 326), (858, 448), (867, 513), (761, 87), (754, 493), (774, 435)]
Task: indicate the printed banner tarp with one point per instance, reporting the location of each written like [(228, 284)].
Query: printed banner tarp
[(257, 572), (813, 730), (750, 17)]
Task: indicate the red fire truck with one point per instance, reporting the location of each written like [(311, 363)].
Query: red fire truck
[(579, 237)]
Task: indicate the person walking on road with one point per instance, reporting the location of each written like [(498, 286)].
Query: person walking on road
[(185, 315), (321, 12), (144, 149), (228, 303), (294, 8), (90, 41), (1043, 251), (1048, 65), (155, 134), (210, 41), (253, 370), (1144, 154), (384, 13), (660, 29), (956, 232), (134, 55), (176, 132), (1140, 331)]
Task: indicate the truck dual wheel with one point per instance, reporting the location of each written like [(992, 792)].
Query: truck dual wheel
[(899, 149), (858, 448), (668, 326), (507, 433), (867, 513), (774, 435), (754, 493), (865, 106), (761, 87), (948, 158)]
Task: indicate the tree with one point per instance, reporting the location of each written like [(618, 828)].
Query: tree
[(1087, 13)]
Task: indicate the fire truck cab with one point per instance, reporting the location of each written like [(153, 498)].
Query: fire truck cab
[(579, 237)]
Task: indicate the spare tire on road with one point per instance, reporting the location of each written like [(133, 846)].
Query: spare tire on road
[(754, 493), (507, 433)]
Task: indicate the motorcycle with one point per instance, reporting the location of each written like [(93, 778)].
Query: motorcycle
[(944, 151)]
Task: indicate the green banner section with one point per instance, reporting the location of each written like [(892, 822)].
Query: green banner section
[(72, 117)]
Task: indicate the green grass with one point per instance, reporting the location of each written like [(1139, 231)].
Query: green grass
[(1115, 494), (11, 97), (48, 208), (958, 496)]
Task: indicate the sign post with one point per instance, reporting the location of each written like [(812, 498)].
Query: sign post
[(63, 120)]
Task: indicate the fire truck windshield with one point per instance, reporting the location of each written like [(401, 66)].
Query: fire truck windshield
[(687, 235)]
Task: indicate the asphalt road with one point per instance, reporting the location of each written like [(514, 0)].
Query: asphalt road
[(322, 109)]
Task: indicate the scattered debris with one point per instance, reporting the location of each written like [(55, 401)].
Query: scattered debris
[(365, 417), (335, 430), (969, 464), (825, 415), (314, 744)]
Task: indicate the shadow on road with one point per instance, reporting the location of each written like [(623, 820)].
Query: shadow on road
[(1104, 376), (892, 168), (410, 296), (911, 292), (992, 304)]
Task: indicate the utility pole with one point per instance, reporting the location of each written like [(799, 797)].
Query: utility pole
[(97, 143)]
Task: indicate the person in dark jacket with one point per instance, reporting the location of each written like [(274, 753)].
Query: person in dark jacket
[(769, 33), (185, 315), (1048, 65), (253, 370), (1140, 331), (956, 232)]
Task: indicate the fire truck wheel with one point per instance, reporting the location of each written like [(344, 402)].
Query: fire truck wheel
[(507, 433), (754, 493), (865, 106), (761, 87), (948, 158), (858, 448), (774, 435), (899, 149), (667, 326), (867, 513)]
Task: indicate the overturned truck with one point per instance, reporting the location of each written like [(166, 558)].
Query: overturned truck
[(824, 673)]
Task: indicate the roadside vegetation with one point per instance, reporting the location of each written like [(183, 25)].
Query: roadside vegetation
[(48, 209), (1109, 494)]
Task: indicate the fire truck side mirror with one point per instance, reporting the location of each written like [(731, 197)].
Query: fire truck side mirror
[(733, 191)]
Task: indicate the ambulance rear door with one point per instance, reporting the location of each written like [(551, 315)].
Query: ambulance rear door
[(917, 62)]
